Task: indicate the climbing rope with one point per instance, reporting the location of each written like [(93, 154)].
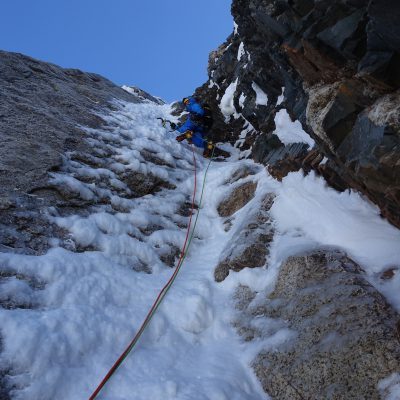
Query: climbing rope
[(167, 286)]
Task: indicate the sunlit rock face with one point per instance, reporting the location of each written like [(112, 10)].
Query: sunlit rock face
[(45, 114), (339, 65), (342, 336)]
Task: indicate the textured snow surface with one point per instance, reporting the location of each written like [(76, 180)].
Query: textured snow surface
[(88, 305)]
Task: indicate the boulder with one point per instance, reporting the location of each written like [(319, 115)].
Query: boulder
[(237, 199), (345, 336)]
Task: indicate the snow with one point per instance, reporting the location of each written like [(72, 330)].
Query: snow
[(241, 51), (212, 84), (129, 90), (306, 205), (261, 96), (242, 99), (281, 97), (88, 305), (390, 387), (226, 105), (289, 131)]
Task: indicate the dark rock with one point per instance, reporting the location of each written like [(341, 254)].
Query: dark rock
[(4, 386), (185, 209), (170, 256), (241, 173), (143, 184), (382, 57), (389, 273), (287, 159), (337, 35), (152, 158), (337, 62)]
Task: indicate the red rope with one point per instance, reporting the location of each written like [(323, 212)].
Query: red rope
[(155, 304)]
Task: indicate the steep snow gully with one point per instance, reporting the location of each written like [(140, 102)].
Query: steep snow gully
[(87, 299)]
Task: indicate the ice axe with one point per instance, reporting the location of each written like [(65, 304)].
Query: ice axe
[(164, 122)]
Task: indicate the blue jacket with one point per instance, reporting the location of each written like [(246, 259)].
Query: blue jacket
[(189, 125), (194, 108), (197, 137)]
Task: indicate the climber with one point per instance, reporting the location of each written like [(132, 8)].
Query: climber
[(197, 124)]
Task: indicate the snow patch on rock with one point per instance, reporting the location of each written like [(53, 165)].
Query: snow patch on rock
[(261, 96), (289, 131), (226, 105)]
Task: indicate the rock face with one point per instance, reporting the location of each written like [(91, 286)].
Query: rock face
[(339, 64), (239, 197), (345, 337), (45, 112), (250, 245)]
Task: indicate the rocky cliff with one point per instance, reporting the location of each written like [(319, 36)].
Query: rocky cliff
[(337, 65)]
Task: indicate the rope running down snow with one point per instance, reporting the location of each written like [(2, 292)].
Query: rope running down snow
[(167, 286)]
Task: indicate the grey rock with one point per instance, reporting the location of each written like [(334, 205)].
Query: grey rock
[(347, 335), (250, 246), (142, 95), (237, 199), (43, 112), (42, 107)]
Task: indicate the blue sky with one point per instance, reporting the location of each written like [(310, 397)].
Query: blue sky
[(161, 46)]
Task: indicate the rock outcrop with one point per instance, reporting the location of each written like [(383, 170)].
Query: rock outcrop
[(344, 337), (250, 245), (45, 114), (338, 63)]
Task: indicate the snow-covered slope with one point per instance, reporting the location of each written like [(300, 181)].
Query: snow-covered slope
[(73, 310)]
